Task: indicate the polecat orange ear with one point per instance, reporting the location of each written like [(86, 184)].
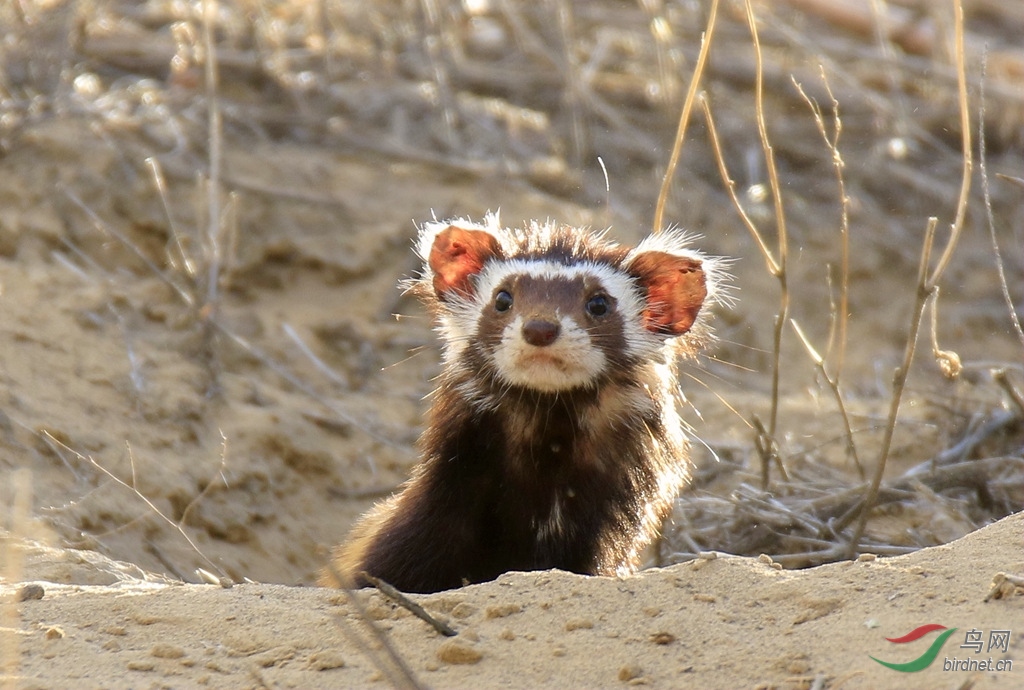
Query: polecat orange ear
[(456, 255), (676, 288)]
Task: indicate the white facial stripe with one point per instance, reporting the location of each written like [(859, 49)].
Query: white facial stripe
[(571, 361), (457, 324), (497, 272)]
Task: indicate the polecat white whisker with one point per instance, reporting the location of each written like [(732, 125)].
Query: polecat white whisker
[(727, 363), (413, 353), (554, 438), (721, 399)]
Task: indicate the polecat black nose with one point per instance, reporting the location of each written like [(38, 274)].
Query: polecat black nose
[(540, 333)]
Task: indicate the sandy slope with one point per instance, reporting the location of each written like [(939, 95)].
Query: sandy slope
[(723, 623)]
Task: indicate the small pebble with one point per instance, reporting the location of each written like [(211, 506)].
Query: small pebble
[(167, 651), (463, 610), (579, 624), (325, 660), (502, 610), (30, 591), (456, 652), (629, 672)]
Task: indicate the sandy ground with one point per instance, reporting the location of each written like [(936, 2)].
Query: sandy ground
[(726, 622), (151, 426)]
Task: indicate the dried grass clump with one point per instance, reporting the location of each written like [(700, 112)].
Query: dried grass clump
[(809, 517)]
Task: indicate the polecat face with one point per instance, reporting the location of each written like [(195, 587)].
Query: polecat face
[(548, 326), (554, 308)]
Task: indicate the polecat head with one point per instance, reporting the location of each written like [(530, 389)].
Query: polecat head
[(554, 308)]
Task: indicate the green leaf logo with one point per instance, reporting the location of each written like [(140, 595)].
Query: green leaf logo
[(924, 661)]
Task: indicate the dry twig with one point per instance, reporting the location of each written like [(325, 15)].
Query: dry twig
[(766, 441), (391, 663), (927, 280), (840, 317), (399, 598), (684, 118), (990, 215), (177, 526)]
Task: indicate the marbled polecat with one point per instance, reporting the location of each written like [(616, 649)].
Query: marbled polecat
[(554, 438)]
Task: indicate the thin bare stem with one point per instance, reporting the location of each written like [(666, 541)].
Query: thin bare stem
[(927, 282), (209, 485), (730, 187), (131, 487), (307, 388), (661, 31), (215, 136), (567, 30), (105, 228), (684, 118), (883, 34), (214, 323), (832, 142), (395, 595), (833, 384), (1015, 396), (781, 237), (989, 215), (947, 360), (433, 44), (307, 351), (765, 439), (391, 663), (922, 294), (181, 260), (965, 141), (769, 151)]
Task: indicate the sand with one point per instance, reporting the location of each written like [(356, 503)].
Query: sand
[(725, 622)]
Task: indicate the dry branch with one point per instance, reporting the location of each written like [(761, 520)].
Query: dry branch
[(684, 118), (927, 279)]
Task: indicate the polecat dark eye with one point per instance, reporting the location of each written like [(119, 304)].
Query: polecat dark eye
[(598, 305), (502, 301)]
